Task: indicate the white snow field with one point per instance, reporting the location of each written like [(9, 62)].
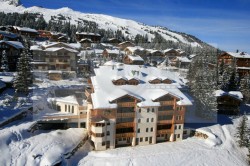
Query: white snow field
[(220, 149), (19, 147)]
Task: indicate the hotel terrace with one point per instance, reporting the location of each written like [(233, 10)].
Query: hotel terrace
[(131, 105)]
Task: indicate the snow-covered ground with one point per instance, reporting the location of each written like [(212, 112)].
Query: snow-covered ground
[(218, 150), (20, 147)]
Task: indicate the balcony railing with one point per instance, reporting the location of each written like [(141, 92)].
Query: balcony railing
[(125, 125), (126, 104), (167, 102), (126, 115), (164, 131), (165, 121), (61, 117), (125, 135), (167, 112)]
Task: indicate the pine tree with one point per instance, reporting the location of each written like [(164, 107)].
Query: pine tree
[(242, 132), (245, 88), (23, 76), (4, 62)]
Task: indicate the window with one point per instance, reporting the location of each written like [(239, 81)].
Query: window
[(185, 132), (138, 130), (146, 138), (148, 110), (108, 133), (139, 120), (108, 123), (72, 109), (103, 143), (146, 129), (65, 108), (178, 117), (141, 139), (179, 126), (69, 108), (152, 119), (153, 110), (147, 119), (178, 135), (152, 129), (139, 110), (175, 127)]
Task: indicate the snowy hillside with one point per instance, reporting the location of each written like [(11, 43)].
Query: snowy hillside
[(128, 27)]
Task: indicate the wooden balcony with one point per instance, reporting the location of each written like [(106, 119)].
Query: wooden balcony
[(125, 125), (167, 112), (61, 117), (125, 135), (126, 115), (164, 131), (167, 102), (165, 121), (126, 104), (179, 121)]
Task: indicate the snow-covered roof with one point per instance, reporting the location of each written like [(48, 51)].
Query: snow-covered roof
[(37, 63), (7, 79), (235, 94), (113, 51), (184, 59), (55, 72), (88, 33), (53, 44), (85, 39), (125, 43), (54, 49), (135, 58), (192, 56), (167, 50), (135, 48), (152, 51), (105, 91), (36, 47), (75, 45), (16, 44), (25, 29), (67, 99), (239, 55)]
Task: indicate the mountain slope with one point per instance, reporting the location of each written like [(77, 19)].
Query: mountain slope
[(128, 27)]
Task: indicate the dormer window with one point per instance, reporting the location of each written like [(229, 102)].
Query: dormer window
[(133, 81), (120, 81), (167, 81), (155, 81)]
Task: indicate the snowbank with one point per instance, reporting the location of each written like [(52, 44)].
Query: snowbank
[(19, 147)]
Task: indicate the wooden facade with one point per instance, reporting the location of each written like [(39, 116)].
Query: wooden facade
[(242, 62), (125, 44), (127, 60), (12, 52), (94, 37), (228, 105)]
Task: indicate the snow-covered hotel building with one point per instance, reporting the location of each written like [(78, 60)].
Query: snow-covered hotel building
[(131, 105)]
